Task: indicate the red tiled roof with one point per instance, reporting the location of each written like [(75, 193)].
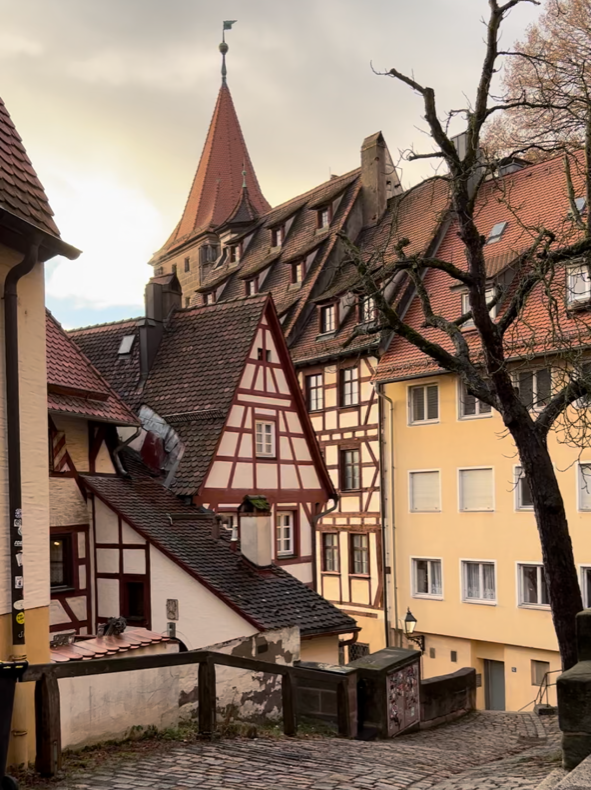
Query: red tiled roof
[(84, 649), (217, 186), (75, 386), (21, 192), (527, 200)]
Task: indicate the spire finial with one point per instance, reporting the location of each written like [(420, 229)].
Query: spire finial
[(243, 176), (227, 25)]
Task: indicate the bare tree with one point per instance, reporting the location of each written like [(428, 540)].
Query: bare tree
[(487, 368)]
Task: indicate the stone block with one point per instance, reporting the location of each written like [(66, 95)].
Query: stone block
[(584, 635), (573, 688), (576, 746)]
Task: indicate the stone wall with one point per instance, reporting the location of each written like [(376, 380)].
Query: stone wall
[(447, 697)]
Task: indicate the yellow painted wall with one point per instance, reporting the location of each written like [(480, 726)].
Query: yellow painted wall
[(324, 649), (506, 536)]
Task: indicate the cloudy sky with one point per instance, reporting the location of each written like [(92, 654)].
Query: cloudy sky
[(113, 99)]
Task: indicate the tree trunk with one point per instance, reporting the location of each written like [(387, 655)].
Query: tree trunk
[(557, 551)]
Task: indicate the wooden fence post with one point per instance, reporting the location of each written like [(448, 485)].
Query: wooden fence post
[(48, 726), (288, 693), (207, 698), (347, 713)]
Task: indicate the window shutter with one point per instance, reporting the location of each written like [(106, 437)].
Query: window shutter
[(585, 486), (469, 403), (543, 386), (526, 387), (432, 402), (424, 491), (418, 404), (476, 489)]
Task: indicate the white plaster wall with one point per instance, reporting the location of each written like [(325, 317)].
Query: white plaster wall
[(203, 618), (106, 525), (66, 504)]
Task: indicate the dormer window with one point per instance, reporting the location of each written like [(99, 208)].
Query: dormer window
[(496, 232), (367, 309), (209, 297), (489, 296), (174, 268), (277, 236), (126, 344), (328, 318), (298, 272), (187, 264), (235, 253), (252, 287), (578, 283), (324, 217)]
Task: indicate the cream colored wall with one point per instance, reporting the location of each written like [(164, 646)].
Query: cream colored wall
[(76, 431), (505, 536), (67, 506), (324, 649)]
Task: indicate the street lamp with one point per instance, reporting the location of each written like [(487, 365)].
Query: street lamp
[(410, 622)]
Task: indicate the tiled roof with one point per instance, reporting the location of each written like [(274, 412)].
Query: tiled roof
[(195, 375), (85, 649), (527, 200), (217, 186), (101, 344), (75, 386), (21, 192), (271, 599)]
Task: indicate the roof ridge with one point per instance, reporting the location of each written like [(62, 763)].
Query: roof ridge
[(101, 326), (333, 180)]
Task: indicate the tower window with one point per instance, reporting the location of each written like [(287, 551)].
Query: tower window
[(187, 265)]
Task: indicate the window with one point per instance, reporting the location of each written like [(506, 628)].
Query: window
[(453, 656), (187, 301), (496, 232), (349, 389), (315, 392), (584, 485), (586, 586), (584, 375), (424, 492), (330, 552), (534, 387), (358, 650), (423, 403), (350, 470), (538, 672), (324, 217), (328, 318), (285, 534), (210, 297), (174, 268), (60, 562), (126, 344), (522, 491), (367, 309), (476, 489), (470, 406), (426, 578), (298, 272), (265, 439), (159, 271), (187, 264), (489, 296), (208, 253), (234, 253), (360, 555), (264, 354), (578, 283), (532, 586), (277, 236), (251, 287), (134, 601), (479, 581)]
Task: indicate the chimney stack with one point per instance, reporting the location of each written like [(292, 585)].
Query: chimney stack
[(256, 537), (163, 294), (379, 179)]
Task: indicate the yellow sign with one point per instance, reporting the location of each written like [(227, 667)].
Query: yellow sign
[(20, 618)]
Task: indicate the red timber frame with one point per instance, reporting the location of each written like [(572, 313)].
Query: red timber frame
[(73, 532)]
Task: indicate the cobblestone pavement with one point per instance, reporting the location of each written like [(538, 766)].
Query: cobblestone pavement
[(457, 756)]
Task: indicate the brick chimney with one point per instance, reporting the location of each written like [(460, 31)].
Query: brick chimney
[(163, 295), (379, 179), (256, 537)]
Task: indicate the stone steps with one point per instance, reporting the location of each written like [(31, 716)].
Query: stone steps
[(577, 779)]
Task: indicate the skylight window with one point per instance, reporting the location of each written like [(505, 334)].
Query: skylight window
[(581, 204), (126, 344), (496, 232)]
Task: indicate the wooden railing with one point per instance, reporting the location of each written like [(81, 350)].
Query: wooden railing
[(47, 695)]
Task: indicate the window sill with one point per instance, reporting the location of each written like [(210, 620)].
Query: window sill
[(349, 408), (266, 457), (413, 512), (468, 417), (326, 335), (581, 305), (359, 576), (350, 490), (62, 589), (331, 573), (524, 509), (422, 422), (543, 607), (479, 510), (479, 602), (427, 596)]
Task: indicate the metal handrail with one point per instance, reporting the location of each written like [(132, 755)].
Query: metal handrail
[(543, 690)]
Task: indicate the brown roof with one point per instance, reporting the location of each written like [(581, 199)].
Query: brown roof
[(217, 186), (75, 386), (273, 599), (87, 648)]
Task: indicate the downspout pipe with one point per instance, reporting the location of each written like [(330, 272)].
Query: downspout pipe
[(14, 440), (383, 482), (315, 520), (121, 446)]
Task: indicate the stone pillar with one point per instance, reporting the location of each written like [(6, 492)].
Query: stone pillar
[(573, 689)]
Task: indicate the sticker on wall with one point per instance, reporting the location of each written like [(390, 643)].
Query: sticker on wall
[(18, 582), (18, 605), (20, 618)]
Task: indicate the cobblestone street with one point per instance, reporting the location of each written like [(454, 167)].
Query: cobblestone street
[(484, 751)]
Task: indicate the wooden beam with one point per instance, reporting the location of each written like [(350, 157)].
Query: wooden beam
[(288, 694), (48, 726), (207, 698)]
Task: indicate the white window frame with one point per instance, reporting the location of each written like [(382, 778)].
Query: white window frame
[(570, 271), (279, 528), (278, 236), (264, 453), (324, 310), (517, 476), (320, 390), (498, 236), (126, 345), (409, 401), (520, 603), (534, 371), (461, 415), (413, 577), (412, 472), (349, 389), (488, 295), (586, 599), (464, 579), (475, 469), (579, 487), (367, 310)]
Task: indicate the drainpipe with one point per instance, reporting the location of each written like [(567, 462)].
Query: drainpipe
[(121, 446), (315, 520), (383, 482)]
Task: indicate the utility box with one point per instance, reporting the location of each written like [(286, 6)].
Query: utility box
[(388, 692)]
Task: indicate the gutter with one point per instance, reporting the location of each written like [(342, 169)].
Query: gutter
[(315, 520), (14, 438), (121, 446)]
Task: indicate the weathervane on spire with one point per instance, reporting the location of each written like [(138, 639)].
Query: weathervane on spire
[(227, 25)]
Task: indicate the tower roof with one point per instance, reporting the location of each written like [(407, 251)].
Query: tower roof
[(217, 187)]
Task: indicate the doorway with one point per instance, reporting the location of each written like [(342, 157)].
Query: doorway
[(494, 685)]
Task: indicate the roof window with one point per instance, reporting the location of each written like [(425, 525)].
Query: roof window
[(324, 217), (581, 204), (277, 236), (126, 344), (496, 232)]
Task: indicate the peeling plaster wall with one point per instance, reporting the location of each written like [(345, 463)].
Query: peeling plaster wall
[(104, 707)]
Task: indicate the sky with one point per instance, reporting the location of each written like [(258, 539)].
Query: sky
[(113, 99)]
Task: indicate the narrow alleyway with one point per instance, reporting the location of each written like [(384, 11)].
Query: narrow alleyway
[(484, 751)]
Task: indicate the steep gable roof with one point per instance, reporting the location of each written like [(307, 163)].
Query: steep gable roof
[(273, 599), (75, 386), (217, 187)]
